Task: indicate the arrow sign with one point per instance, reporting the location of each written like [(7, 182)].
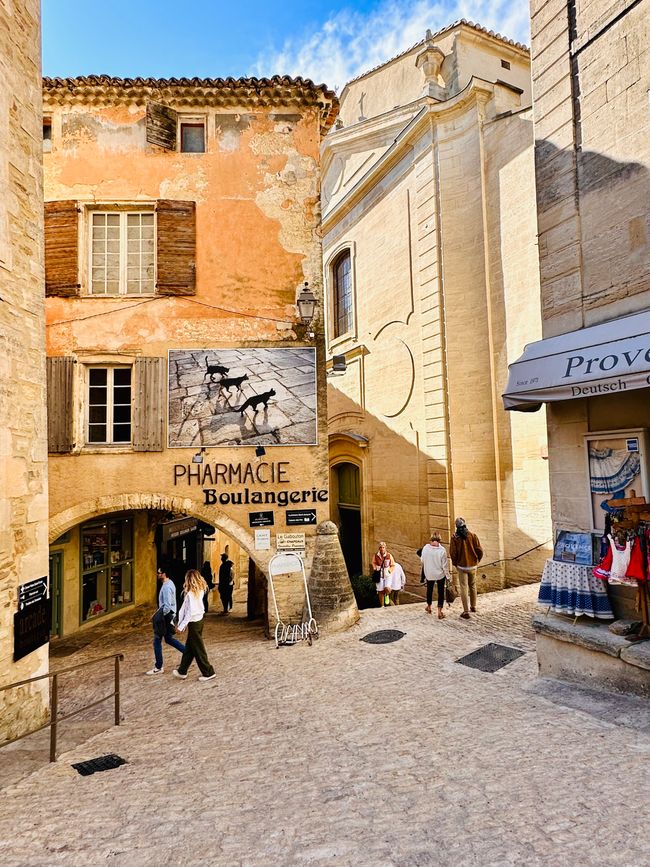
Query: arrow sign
[(300, 516)]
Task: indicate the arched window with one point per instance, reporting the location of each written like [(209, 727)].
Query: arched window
[(342, 274)]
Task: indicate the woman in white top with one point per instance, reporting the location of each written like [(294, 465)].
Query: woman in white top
[(397, 581), (191, 616), (435, 566)]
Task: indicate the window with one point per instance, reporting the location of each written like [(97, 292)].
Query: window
[(505, 64), (122, 255), (109, 405), (47, 134), (192, 137), (342, 278), (106, 566)]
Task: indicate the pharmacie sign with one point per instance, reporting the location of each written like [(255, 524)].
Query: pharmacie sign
[(222, 483)]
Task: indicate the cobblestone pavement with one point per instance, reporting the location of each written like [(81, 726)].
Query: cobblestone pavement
[(347, 753)]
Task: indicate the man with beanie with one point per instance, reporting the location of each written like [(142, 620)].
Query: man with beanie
[(466, 553)]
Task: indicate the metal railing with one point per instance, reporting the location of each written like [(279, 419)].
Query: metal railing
[(55, 719)]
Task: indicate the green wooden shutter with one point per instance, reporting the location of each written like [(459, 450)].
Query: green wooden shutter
[(149, 404), (60, 371)]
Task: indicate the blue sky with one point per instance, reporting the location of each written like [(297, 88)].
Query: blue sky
[(327, 41)]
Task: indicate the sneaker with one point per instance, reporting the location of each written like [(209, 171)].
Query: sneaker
[(155, 670), (464, 615), (473, 610), (206, 677), (177, 673)]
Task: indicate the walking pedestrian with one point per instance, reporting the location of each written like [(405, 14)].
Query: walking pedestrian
[(435, 566), (191, 616), (206, 573), (466, 553), (164, 617), (397, 583), (382, 566), (226, 582)]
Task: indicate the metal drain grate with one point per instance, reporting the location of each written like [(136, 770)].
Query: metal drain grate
[(101, 763), (383, 636), (491, 657)]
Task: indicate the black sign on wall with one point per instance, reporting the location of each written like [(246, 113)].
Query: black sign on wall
[(31, 628), (260, 519), (32, 591), (296, 517)]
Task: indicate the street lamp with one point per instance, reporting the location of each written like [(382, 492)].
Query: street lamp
[(306, 302)]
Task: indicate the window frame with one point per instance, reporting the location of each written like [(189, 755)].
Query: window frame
[(47, 140), (123, 210), (191, 120), (334, 337), (110, 445)]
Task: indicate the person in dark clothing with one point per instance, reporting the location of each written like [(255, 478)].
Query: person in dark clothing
[(206, 574), (226, 582)]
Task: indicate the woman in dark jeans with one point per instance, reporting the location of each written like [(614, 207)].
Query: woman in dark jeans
[(435, 568)]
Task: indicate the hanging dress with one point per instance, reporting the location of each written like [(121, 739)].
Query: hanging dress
[(620, 563)]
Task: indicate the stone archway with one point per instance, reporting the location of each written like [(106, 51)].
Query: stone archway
[(85, 511)]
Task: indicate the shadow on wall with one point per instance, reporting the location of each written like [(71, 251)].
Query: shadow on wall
[(610, 199), (399, 508)]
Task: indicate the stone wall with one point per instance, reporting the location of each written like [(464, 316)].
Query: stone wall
[(592, 142), (23, 445)]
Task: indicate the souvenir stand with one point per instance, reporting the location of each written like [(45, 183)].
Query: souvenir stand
[(626, 554)]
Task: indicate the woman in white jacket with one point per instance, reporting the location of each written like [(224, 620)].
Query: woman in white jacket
[(191, 616), (435, 566)]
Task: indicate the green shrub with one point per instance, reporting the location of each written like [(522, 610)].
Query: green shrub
[(365, 591)]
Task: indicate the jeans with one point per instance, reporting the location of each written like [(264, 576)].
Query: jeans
[(467, 582), (441, 592), (157, 646), (226, 597)]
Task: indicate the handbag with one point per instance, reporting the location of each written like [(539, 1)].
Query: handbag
[(376, 575), (450, 593)]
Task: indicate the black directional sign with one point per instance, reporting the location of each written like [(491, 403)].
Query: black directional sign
[(260, 519), (32, 592), (297, 517)]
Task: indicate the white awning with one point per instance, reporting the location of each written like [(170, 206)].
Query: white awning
[(603, 359)]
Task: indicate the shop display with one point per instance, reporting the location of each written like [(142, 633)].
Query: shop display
[(573, 547), (107, 567), (571, 589)]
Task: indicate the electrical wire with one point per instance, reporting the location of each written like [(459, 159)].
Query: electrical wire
[(160, 297)]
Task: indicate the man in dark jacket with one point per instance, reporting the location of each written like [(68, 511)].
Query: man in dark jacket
[(465, 552), (226, 582)]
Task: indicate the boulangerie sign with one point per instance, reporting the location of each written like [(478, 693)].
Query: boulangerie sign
[(604, 359)]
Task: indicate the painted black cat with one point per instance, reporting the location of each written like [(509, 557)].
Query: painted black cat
[(229, 382), (256, 399), (211, 369)]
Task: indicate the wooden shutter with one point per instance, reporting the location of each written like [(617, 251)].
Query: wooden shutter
[(161, 125), (61, 248), (176, 233), (59, 404), (149, 405)]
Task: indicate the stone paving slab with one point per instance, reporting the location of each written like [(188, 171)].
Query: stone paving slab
[(343, 753)]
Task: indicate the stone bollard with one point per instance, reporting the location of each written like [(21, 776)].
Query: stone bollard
[(330, 591)]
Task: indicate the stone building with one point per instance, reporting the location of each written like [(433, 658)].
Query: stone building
[(592, 143), (23, 437), (185, 402), (430, 264)]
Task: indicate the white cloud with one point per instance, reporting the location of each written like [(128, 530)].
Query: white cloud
[(349, 42)]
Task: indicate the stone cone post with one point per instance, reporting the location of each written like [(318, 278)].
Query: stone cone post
[(332, 600)]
